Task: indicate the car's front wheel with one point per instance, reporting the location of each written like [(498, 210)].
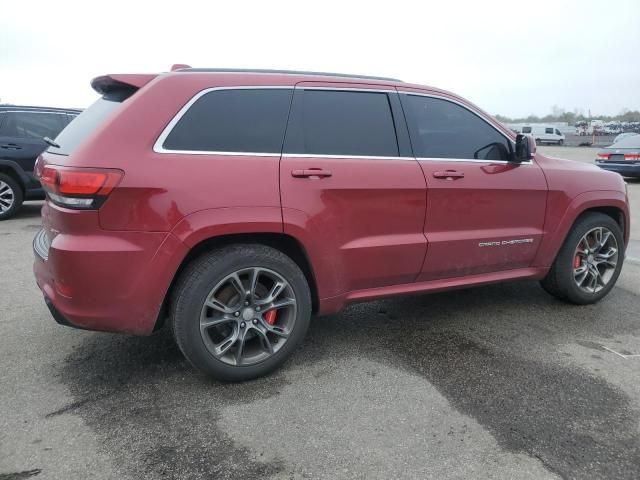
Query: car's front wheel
[(589, 263), (11, 197), (239, 312)]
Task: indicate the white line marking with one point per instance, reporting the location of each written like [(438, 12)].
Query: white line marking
[(620, 354)]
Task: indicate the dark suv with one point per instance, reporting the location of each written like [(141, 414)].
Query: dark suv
[(236, 204), (22, 132)]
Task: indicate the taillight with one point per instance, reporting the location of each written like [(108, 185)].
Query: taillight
[(632, 156), (603, 156), (85, 188)]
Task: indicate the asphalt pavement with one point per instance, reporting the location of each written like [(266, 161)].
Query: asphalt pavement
[(496, 382)]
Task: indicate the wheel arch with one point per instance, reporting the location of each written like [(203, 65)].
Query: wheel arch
[(10, 168), (282, 242), (608, 202)]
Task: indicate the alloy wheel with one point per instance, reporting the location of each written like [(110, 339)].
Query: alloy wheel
[(248, 316), (595, 259), (7, 197)]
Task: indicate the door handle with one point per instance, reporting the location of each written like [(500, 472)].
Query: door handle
[(311, 173), (449, 174), (10, 146)]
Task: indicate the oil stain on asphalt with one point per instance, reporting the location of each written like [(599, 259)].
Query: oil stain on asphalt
[(492, 352)]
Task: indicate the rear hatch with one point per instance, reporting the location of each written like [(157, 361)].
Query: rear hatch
[(80, 191), (114, 89)]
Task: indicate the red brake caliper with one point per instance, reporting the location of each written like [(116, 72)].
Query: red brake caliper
[(577, 261), (270, 316)]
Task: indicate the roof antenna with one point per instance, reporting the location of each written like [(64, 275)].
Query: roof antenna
[(179, 66)]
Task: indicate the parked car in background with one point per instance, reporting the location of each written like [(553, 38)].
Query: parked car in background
[(622, 157), (544, 134), (234, 204), (623, 135), (22, 133)]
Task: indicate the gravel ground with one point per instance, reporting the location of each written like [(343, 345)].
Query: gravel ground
[(496, 382)]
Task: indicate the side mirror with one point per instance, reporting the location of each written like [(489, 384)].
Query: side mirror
[(525, 148)]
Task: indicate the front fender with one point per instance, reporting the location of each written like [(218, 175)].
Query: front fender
[(557, 231)]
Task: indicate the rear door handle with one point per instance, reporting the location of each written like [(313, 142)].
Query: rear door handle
[(449, 174), (10, 146), (311, 173)]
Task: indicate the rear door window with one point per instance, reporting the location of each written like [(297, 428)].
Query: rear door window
[(343, 123), (32, 125), (234, 121), (443, 129)]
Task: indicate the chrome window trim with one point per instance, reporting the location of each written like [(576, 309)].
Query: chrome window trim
[(158, 145), (353, 157), (472, 160), (158, 148), (39, 111)]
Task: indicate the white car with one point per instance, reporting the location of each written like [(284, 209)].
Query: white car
[(544, 134)]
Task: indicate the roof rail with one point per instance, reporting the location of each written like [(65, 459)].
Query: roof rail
[(285, 72)]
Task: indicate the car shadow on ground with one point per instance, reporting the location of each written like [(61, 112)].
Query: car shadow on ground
[(493, 352)]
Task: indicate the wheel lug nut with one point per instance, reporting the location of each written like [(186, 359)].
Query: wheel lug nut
[(255, 321), (257, 309), (242, 325), (237, 314), (246, 303)]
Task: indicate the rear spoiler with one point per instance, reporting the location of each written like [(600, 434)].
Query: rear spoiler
[(109, 83)]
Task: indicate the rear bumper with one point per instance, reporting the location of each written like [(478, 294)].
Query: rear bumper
[(628, 170), (108, 281)]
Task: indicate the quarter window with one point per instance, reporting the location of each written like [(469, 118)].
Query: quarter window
[(443, 129), (32, 125), (238, 120), (346, 123)]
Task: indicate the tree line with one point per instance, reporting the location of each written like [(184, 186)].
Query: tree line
[(560, 115)]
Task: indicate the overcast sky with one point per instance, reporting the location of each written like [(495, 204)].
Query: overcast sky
[(509, 57)]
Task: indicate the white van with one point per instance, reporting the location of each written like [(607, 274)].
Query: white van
[(544, 133)]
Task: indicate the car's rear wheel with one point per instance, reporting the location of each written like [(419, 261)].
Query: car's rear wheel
[(11, 197), (239, 312), (589, 263)]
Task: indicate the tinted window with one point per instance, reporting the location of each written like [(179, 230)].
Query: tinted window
[(526, 129), (346, 123), (85, 123), (558, 132), (442, 129), (548, 130), (240, 120), (34, 125)]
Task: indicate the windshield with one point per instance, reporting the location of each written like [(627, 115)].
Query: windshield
[(85, 123)]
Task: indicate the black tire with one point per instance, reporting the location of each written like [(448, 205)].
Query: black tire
[(560, 142), (538, 142), (560, 281), (194, 286), (18, 197)]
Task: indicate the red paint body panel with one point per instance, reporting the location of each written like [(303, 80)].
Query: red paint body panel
[(362, 227), (374, 228), (492, 203)]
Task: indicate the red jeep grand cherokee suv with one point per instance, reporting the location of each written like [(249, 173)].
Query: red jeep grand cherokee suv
[(238, 203)]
